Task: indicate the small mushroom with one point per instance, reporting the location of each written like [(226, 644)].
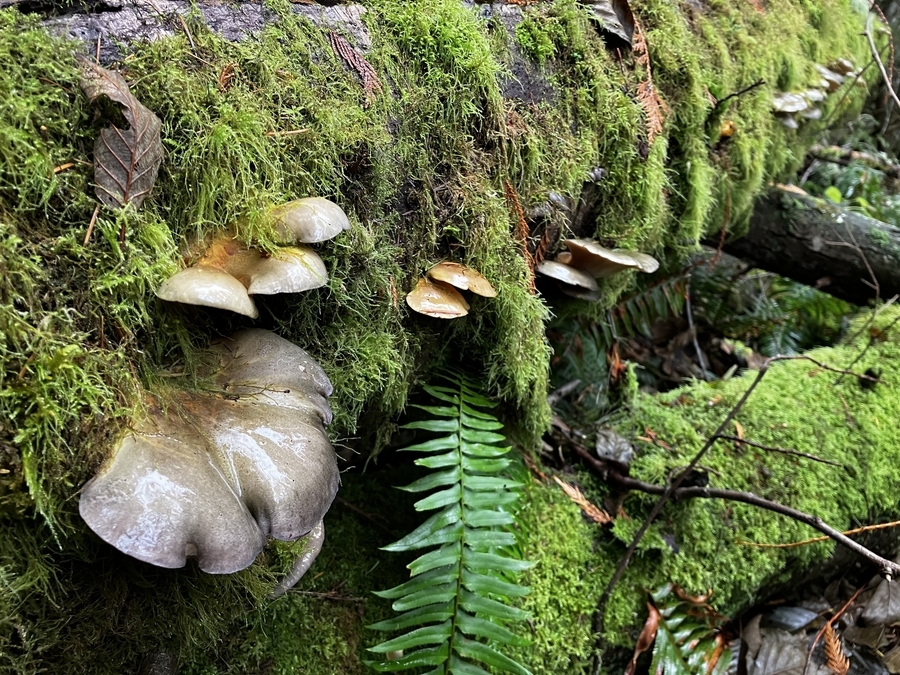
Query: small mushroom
[(291, 269), (602, 262), (815, 95), (833, 79), (787, 120), (785, 102), (462, 277), (436, 299), (309, 220), (209, 287), (571, 281), (841, 67), (213, 474)]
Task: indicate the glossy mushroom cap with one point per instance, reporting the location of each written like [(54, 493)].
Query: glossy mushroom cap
[(437, 299), (573, 282), (212, 475), (291, 269), (209, 287), (309, 220), (602, 262), (462, 277)]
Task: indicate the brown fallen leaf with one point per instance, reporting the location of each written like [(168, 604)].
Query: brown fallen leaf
[(598, 515), (834, 652), (125, 160), (645, 639), (370, 82)]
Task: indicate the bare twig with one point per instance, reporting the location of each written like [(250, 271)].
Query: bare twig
[(739, 92), (562, 392), (871, 339), (844, 156), (875, 55), (784, 451), (701, 358), (90, 229), (829, 624), (330, 595), (846, 93), (816, 540)]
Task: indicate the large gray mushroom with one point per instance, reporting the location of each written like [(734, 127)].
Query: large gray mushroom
[(209, 287), (212, 474)]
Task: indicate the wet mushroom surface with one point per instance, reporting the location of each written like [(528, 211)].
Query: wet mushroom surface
[(213, 473)]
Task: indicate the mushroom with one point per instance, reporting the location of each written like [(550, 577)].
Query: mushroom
[(309, 220), (602, 262), (833, 79), (211, 475), (841, 67), (437, 299), (462, 277), (785, 102), (571, 281), (290, 269), (209, 287)]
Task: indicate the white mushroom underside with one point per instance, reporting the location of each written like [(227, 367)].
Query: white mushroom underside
[(309, 220)]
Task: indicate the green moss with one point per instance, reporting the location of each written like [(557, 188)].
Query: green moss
[(421, 171)]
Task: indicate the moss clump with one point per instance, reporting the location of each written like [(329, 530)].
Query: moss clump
[(799, 406), (421, 171)]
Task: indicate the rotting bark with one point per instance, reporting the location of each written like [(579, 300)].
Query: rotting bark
[(822, 245)]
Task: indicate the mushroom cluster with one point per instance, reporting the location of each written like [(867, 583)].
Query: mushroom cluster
[(228, 273), (436, 294), (576, 271), (788, 106), (212, 474)]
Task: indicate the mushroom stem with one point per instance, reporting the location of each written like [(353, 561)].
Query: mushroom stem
[(314, 541)]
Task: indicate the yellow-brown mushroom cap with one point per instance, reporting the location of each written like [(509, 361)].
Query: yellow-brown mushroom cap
[(462, 277), (437, 299), (602, 262), (309, 220)]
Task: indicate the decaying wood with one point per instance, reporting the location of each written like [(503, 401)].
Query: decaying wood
[(822, 245)]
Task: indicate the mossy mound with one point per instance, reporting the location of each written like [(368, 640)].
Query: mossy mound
[(797, 406), (421, 171)]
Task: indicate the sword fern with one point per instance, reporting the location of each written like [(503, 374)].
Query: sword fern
[(454, 607)]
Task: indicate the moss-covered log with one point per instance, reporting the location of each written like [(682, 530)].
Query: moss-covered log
[(822, 245), (422, 167)]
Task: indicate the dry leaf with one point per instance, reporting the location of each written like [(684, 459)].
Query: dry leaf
[(645, 639), (599, 516), (522, 230), (834, 652), (654, 107), (125, 160), (355, 60)]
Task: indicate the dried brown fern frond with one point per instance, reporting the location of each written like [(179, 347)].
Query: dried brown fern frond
[(834, 652), (654, 107), (522, 231), (357, 62), (596, 514)]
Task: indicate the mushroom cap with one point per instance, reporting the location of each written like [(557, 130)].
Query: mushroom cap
[(602, 262), (212, 475), (566, 274), (291, 269), (462, 277), (841, 67), (309, 220), (787, 102), (209, 287), (834, 80), (434, 298)]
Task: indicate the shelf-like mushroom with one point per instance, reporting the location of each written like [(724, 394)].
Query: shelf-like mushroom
[(209, 287), (573, 282), (212, 474), (437, 299), (602, 262), (462, 277), (309, 220)]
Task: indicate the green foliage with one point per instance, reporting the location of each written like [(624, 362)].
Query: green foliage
[(686, 638), (771, 314), (456, 601)]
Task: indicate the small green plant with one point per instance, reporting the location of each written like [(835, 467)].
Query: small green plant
[(456, 603)]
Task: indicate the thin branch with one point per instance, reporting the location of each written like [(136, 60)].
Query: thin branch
[(740, 92), (871, 339), (884, 75), (829, 623), (784, 451), (846, 93), (562, 392), (701, 358), (816, 540)]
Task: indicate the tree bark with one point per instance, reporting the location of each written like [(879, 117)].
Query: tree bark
[(843, 253)]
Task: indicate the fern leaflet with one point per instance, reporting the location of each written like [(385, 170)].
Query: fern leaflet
[(455, 606)]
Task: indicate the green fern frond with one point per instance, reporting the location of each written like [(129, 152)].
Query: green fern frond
[(687, 640), (455, 609)]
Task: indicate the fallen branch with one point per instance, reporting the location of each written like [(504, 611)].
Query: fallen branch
[(785, 451), (816, 540), (844, 156), (877, 57), (740, 92)]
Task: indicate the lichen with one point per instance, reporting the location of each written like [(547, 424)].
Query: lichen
[(421, 171)]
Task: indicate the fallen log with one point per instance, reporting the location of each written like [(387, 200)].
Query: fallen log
[(843, 253)]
